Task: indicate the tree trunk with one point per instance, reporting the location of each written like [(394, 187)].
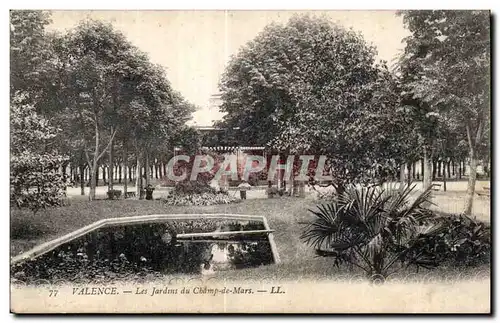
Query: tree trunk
[(402, 174), (409, 168), (414, 171), (471, 186), (422, 168), (459, 173), (94, 167), (160, 173), (104, 175), (138, 181), (125, 184), (453, 168), (82, 179), (427, 170), (111, 165), (77, 174), (94, 173), (147, 169), (448, 168), (130, 178), (473, 140), (164, 169), (439, 165), (64, 170), (434, 170), (444, 175), (64, 176)]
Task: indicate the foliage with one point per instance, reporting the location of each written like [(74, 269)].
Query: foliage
[(193, 187), (30, 55), (197, 193), (137, 252), (312, 86), (35, 178), (374, 229), (96, 87), (463, 242), (211, 225), (189, 140), (114, 194), (446, 71), (199, 199), (115, 253)]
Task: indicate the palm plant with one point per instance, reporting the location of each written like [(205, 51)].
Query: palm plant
[(378, 230)]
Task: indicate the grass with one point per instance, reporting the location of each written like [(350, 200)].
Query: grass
[(284, 215), (321, 286)]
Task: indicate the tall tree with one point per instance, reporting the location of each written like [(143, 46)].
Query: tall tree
[(97, 55), (35, 160), (453, 50), (30, 54), (313, 86)]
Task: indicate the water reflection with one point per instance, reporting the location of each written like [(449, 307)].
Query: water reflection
[(150, 249)]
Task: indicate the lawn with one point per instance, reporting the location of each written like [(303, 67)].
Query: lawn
[(329, 289), (284, 215)]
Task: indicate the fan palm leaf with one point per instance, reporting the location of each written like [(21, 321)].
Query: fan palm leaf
[(371, 227)]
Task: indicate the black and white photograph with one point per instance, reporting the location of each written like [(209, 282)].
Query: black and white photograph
[(250, 161)]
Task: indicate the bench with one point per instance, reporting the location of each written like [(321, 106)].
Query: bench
[(436, 187), (130, 194)]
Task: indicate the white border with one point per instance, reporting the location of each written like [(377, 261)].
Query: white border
[(191, 4)]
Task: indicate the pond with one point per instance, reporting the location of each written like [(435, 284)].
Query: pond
[(153, 247)]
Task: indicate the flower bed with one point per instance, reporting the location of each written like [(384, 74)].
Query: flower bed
[(199, 199), (197, 193)]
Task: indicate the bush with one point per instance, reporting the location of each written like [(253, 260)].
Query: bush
[(374, 229), (114, 194), (193, 187), (463, 242), (35, 179), (199, 199), (197, 193), (381, 231)]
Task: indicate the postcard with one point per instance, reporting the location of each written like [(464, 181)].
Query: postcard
[(223, 161)]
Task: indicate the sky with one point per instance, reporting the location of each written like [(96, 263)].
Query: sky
[(194, 46)]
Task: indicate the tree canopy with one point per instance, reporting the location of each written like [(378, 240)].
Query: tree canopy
[(313, 86), (97, 88)]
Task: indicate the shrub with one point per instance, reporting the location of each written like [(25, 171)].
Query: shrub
[(193, 187), (197, 193), (374, 229), (35, 179), (199, 199), (463, 242), (114, 194)]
